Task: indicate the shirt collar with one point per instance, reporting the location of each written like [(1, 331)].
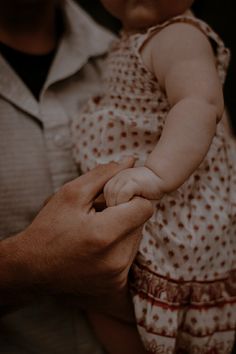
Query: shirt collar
[(82, 39)]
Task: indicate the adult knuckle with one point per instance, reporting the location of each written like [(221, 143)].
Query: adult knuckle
[(67, 193), (84, 191)]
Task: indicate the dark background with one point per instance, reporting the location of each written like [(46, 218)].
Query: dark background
[(218, 13)]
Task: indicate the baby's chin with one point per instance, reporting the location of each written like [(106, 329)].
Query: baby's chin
[(140, 19)]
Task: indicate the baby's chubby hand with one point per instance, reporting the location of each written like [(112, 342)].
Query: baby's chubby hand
[(137, 181)]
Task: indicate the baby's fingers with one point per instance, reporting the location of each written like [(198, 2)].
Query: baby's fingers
[(126, 192)]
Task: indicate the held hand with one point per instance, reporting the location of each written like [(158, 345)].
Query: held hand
[(70, 247), (139, 181)]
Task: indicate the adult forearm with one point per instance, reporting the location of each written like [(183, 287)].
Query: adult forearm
[(16, 288)]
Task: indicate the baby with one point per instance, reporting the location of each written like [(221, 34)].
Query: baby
[(163, 104)]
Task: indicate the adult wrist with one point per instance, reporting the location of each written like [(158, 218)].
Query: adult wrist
[(16, 269)]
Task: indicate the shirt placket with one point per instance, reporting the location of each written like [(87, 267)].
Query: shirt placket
[(58, 141)]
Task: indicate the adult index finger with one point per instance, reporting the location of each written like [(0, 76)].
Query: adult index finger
[(89, 185)]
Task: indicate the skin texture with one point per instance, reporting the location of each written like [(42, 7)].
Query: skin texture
[(69, 234)]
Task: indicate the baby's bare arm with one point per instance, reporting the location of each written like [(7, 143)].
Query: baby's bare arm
[(182, 59), (185, 140)]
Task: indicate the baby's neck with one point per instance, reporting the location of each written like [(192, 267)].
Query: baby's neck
[(140, 21)]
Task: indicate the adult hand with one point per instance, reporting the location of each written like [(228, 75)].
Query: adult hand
[(70, 247)]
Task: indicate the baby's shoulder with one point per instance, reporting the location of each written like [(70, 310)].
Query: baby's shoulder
[(175, 43), (178, 35)]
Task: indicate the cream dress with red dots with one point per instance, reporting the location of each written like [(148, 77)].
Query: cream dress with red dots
[(183, 280)]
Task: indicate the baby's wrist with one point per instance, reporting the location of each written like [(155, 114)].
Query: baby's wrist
[(158, 181)]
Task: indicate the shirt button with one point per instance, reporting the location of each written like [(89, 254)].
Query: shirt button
[(62, 140)]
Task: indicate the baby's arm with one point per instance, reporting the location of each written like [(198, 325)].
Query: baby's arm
[(186, 70), (182, 59)]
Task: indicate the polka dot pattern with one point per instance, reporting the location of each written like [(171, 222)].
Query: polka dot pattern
[(187, 255)]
